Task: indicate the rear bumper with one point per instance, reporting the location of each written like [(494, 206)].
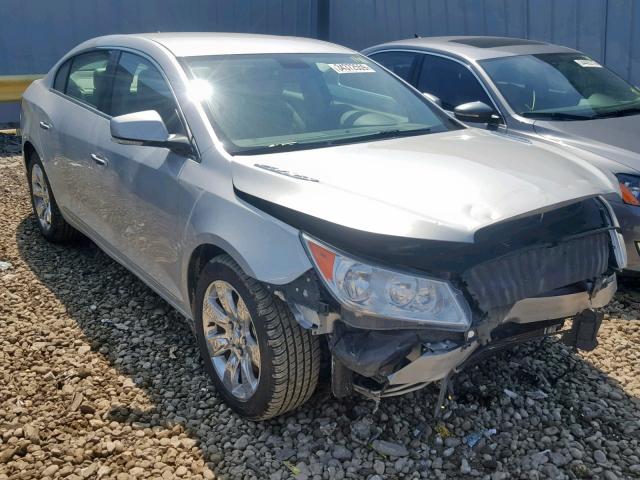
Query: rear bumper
[(437, 363)]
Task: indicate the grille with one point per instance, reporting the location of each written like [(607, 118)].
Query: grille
[(527, 273)]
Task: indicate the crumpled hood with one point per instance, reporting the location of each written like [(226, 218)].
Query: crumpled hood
[(614, 139), (440, 187)]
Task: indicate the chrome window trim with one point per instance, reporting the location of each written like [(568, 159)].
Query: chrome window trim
[(447, 57)]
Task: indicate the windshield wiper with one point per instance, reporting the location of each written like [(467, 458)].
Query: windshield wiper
[(394, 133), (619, 113), (280, 147), (557, 116), (289, 146)]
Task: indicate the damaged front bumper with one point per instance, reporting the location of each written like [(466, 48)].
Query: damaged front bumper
[(394, 363), (436, 364)]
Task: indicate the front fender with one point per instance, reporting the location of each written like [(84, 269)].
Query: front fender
[(266, 249)]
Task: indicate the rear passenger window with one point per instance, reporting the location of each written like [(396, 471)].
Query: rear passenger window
[(88, 80), (139, 86), (400, 63)]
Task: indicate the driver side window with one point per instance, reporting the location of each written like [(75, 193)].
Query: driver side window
[(139, 86), (450, 81)]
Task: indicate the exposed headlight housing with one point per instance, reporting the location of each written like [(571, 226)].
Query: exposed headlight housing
[(629, 188), (380, 292)]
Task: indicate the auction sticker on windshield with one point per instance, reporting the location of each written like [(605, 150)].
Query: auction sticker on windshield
[(351, 67), (587, 63)]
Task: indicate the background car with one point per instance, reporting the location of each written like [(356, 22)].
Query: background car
[(534, 89), (292, 197)]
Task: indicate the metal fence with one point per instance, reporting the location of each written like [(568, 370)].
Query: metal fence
[(35, 33)]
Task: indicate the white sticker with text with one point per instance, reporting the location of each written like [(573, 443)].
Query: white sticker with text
[(587, 63), (351, 68)]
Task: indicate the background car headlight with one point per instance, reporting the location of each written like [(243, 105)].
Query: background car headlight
[(629, 188), (382, 292)]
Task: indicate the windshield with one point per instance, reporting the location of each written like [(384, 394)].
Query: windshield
[(273, 102), (562, 86)]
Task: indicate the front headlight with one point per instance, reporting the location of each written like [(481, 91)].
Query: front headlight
[(380, 292), (629, 188)]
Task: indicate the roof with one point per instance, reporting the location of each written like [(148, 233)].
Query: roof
[(184, 44), (474, 48)]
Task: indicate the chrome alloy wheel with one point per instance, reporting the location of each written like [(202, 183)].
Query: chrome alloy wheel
[(40, 194), (231, 339)]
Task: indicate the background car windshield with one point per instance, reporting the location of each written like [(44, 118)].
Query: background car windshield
[(266, 102), (561, 84)]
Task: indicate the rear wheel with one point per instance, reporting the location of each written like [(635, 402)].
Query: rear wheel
[(50, 221), (260, 360)]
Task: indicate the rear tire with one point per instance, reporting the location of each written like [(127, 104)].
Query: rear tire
[(51, 223), (278, 361)]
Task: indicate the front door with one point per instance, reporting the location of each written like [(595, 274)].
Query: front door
[(142, 195)]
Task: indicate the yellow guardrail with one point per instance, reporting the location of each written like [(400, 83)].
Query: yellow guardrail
[(13, 86)]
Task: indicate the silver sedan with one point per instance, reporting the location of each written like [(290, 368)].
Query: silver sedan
[(307, 211)]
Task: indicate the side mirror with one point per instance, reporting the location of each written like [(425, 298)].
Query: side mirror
[(476, 112), (433, 98), (148, 129)]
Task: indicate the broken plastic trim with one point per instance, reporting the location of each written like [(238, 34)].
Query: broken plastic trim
[(373, 353), (582, 335), (312, 307)]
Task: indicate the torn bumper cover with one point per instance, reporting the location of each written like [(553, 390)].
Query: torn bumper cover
[(396, 358), (434, 364)]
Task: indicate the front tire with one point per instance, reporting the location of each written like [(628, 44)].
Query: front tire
[(51, 223), (260, 360)]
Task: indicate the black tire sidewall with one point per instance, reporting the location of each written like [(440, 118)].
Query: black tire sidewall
[(254, 406)]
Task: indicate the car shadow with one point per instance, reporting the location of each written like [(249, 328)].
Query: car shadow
[(532, 386), (10, 146)]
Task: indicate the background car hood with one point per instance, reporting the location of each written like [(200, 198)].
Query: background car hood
[(441, 186), (616, 139)]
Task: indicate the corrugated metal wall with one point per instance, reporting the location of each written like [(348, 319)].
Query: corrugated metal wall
[(608, 30), (35, 33)]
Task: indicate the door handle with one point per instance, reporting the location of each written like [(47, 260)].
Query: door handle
[(45, 125), (99, 159)]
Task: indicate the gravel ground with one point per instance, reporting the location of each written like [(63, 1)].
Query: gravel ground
[(100, 378)]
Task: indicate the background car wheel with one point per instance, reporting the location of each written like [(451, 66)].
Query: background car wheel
[(50, 221), (261, 361)]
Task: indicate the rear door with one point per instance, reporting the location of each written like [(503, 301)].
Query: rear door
[(82, 87), (140, 188)]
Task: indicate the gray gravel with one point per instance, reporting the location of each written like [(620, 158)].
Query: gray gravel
[(99, 378)]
